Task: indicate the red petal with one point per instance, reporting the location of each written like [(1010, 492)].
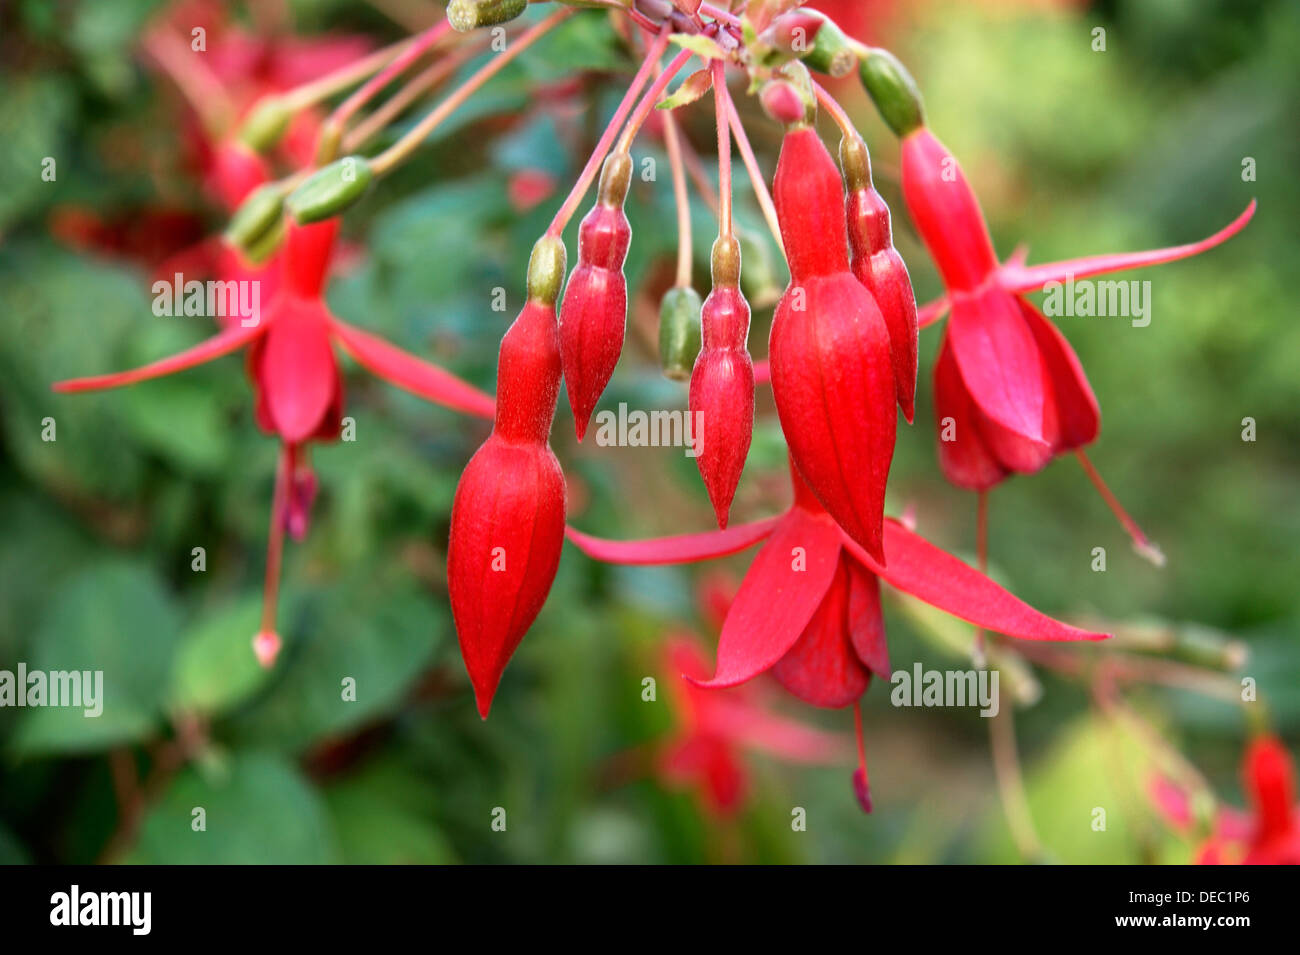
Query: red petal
[(965, 460), (754, 727), (684, 549), (919, 568), (931, 312), (783, 589), (214, 347), (999, 360), (1019, 278), (297, 370), (1270, 783), (1078, 417), (821, 667), (867, 620), (404, 370)]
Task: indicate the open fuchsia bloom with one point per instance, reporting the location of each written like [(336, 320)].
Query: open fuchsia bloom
[(1010, 393), (298, 385), (716, 728), (809, 609), (1269, 834)]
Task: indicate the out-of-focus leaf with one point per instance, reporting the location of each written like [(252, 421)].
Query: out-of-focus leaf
[(35, 114), (256, 809), (114, 619), (382, 815), (376, 639), (215, 666)]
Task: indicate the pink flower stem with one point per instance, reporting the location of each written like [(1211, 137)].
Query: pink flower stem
[(197, 83), (334, 125), (982, 558), (685, 252), (395, 154), (756, 180), (648, 65), (1141, 543), (275, 537), (721, 101), (835, 110), (650, 99)]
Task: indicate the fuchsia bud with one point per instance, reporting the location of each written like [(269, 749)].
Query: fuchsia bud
[(507, 519), (266, 647), (879, 267), (593, 317), (722, 383), (832, 374)]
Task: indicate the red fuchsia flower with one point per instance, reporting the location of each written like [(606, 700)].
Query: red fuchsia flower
[(298, 385), (593, 317), (1010, 393), (507, 519), (1267, 835), (829, 353), (717, 728), (809, 609), (722, 382)]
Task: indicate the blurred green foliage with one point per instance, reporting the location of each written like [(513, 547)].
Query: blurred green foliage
[(1073, 151)]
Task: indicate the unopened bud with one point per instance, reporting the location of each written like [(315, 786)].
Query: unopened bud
[(893, 91), (466, 15), (266, 123), (797, 77), (830, 52), (679, 331), (265, 245), (330, 190), (782, 102), (257, 215), (856, 163)]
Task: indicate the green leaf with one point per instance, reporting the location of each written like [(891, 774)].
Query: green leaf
[(256, 809), (114, 619), (215, 666), (35, 116), (377, 639), (382, 817)]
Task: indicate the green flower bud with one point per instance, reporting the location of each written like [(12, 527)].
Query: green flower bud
[(266, 124), (831, 53), (893, 91), (257, 215), (330, 190), (266, 244), (679, 332), (466, 15)]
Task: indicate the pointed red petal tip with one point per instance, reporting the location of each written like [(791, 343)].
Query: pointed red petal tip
[(861, 790), (266, 647)]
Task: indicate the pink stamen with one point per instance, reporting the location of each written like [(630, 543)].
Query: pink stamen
[(1145, 547), (861, 786)]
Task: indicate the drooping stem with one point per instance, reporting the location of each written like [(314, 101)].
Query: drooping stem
[(342, 78), (756, 180), (1011, 783), (570, 206), (836, 111), (685, 252), (982, 558), (197, 83), (275, 537), (332, 128), (404, 147), (649, 100), (1141, 543), (720, 102), (420, 84)]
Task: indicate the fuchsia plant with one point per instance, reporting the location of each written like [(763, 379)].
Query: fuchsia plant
[(843, 356)]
